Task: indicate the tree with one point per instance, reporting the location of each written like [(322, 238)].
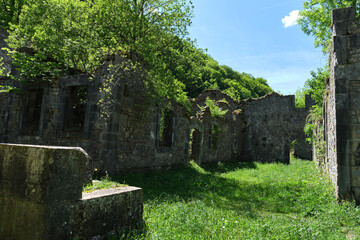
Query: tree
[(74, 35), (79, 33), (315, 86), (315, 19), (9, 12)]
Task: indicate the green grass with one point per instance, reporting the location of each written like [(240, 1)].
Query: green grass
[(103, 183), (243, 201)]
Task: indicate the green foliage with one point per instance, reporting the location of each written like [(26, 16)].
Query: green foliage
[(7, 89), (71, 36), (315, 86), (2, 69), (236, 85), (312, 121), (300, 98), (104, 183), (10, 11), (243, 201), (4, 89), (58, 29), (215, 110), (34, 67), (79, 33), (316, 19)]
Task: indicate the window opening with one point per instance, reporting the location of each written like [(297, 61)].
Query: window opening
[(32, 112), (76, 108), (166, 128), (215, 134), (194, 144)]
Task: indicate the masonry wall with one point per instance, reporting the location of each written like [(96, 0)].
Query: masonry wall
[(220, 136), (272, 123), (139, 132), (129, 138), (41, 196), (342, 105)]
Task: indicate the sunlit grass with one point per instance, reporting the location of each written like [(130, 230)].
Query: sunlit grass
[(103, 183), (243, 201)]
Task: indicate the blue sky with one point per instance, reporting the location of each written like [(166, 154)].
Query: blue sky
[(249, 36)]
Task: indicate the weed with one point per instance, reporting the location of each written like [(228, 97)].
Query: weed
[(242, 201), (104, 183)]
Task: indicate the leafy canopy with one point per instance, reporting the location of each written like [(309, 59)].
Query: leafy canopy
[(315, 19), (75, 35), (9, 12), (79, 33)]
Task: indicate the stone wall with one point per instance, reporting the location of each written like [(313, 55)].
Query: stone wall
[(131, 136), (141, 132), (272, 123), (41, 196), (341, 106), (219, 138)]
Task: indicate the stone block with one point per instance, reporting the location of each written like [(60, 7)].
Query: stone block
[(355, 176), (356, 191), (340, 49), (108, 209), (343, 181), (355, 41), (42, 174), (41, 196), (353, 71), (342, 116), (341, 86), (341, 145), (343, 14)]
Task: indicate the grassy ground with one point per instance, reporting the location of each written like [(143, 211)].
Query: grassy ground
[(243, 201)]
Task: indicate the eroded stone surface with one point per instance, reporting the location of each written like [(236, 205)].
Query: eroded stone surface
[(131, 138), (340, 159), (41, 196)]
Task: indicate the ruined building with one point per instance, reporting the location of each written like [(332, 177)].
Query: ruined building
[(139, 134), (338, 151)]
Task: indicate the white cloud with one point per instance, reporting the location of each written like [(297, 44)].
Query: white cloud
[(291, 20)]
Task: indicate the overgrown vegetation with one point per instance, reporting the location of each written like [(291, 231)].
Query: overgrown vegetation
[(215, 110), (103, 183), (315, 86), (3, 88), (243, 201), (315, 19), (58, 37)]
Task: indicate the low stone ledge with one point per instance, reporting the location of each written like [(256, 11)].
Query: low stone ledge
[(107, 192), (41, 196), (106, 210)]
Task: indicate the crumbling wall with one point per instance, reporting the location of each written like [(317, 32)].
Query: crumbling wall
[(342, 106), (271, 124), (37, 115), (140, 132), (112, 115), (219, 137), (41, 196)]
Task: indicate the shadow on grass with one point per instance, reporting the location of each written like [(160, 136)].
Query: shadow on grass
[(206, 184), (228, 166)]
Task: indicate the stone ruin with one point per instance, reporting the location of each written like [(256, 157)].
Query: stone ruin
[(339, 134), (140, 135), (137, 134), (41, 196)]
